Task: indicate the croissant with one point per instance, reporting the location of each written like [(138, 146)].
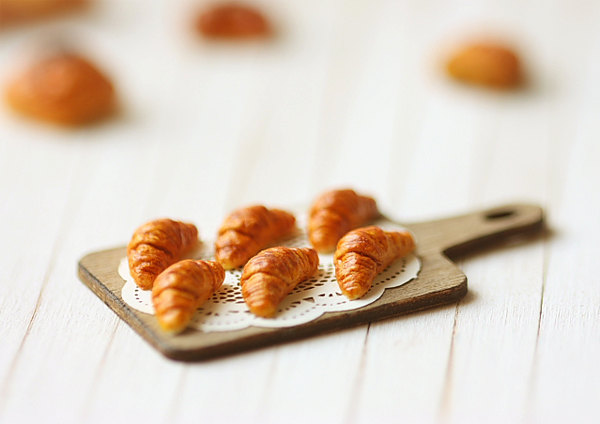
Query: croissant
[(63, 89), (269, 276), (336, 212), (156, 245), (247, 231), (232, 21), (16, 11), (183, 287), (365, 252), (486, 64)]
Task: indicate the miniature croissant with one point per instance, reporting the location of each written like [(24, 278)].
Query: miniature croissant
[(336, 212), (183, 287), (269, 276), (156, 245), (64, 89), (486, 64), (249, 230), (365, 252), (17, 11), (232, 21)]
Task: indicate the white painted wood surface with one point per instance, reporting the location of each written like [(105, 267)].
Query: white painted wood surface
[(351, 93)]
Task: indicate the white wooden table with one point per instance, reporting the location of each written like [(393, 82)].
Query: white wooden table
[(350, 94)]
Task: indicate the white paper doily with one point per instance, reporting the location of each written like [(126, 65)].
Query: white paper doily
[(226, 309)]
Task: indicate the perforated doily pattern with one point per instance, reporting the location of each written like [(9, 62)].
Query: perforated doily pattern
[(226, 310)]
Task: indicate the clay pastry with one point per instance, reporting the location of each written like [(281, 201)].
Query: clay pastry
[(365, 252), (269, 276), (155, 246), (247, 231), (181, 289), (490, 65), (16, 11), (336, 212), (232, 21), (63, 89)]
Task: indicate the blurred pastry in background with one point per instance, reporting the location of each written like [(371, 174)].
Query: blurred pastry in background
[(17, 11), (232, 21), (63, 89), (486, 64)]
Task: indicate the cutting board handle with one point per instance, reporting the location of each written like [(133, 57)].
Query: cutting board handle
[(458, 235)]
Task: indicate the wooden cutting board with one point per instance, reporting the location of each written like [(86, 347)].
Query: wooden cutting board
[(439, 282)]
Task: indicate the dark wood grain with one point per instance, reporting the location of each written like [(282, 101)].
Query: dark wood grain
[(439, 282)]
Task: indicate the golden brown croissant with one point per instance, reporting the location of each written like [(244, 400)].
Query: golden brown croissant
[(232, 21), (486, 64), (365, 252), (156, 245), (336, 212), (183, 287), (16, 11), (63, 89), (247, 231), (269, 276)]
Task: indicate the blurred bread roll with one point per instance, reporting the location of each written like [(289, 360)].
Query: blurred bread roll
[(64, 89), (232, 20), (16, 11), (486, 64)]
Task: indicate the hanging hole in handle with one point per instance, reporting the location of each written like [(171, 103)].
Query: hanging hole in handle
[(499, 214)]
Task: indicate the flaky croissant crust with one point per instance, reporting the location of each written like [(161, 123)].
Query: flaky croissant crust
[(183, 287), (365, 252), (336, 212), (269, 276), (156, 245), (248, 230)]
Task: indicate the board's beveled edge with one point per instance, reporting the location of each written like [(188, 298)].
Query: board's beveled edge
[(116, 304), (447, 284)]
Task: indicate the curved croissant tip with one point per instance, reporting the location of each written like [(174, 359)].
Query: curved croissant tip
[(174, 321), (355, 292), (322, 242), (224, 258), (144, 280), (227, 265), (263, 310)]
